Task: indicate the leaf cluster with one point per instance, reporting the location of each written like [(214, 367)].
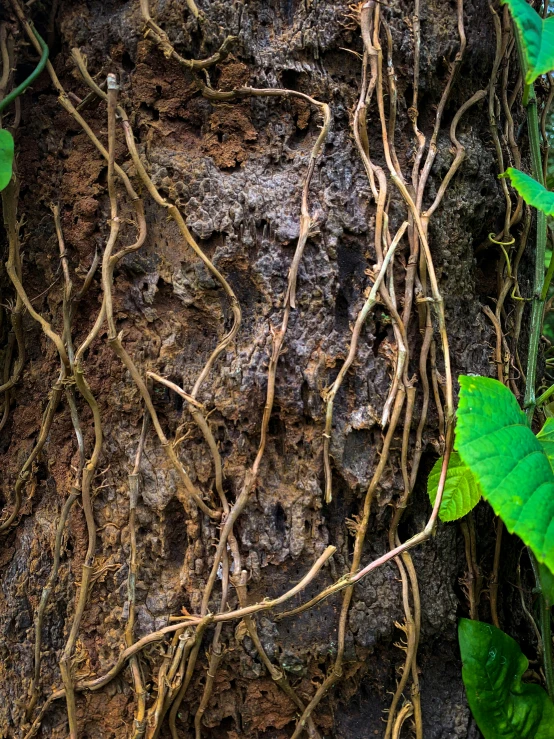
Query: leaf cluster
[(536, 38), (499, 458)]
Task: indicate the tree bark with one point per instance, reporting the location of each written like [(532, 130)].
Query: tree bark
[(235, 168)]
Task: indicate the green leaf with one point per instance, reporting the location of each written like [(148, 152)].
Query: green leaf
[(461, 491), (537, 38), (531, 191), (508, 461), (546, 438), (6, 157), (503, 706)]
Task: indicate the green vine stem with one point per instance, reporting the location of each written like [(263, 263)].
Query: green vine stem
[(537, 309), (549, 272), (32, 77), (542, 399), (538, 280), (545, 626), (546, 632)]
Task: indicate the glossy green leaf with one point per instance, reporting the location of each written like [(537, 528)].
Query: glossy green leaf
[(6, 157), (461, 491), (546, 438), (508, 461), (537, 38), (503, 706), (531, 191)]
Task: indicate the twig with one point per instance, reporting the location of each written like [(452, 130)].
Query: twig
[(140, 692), (156, 636), (360, 320), (361, 530)]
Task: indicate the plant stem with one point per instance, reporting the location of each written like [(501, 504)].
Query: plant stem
[(545, 626), (535, 330), (537, 307), (546, 644), (32, 77), (530, 103), (541, 400), (538, 282), (549, 274)]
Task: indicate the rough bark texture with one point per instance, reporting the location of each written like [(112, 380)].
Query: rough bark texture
[(237, 169)]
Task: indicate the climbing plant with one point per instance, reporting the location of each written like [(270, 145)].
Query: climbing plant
[(498, 456), (493, 453), (6, 138)]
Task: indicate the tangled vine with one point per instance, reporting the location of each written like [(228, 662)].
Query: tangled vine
[(404, 281)]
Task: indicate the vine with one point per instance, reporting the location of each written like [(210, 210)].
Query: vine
[(402, 257)]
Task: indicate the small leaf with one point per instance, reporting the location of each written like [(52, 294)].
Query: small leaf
[(537, 38), (6, 157), (508, 462), (531, 191), (461, 491), (502, 705)]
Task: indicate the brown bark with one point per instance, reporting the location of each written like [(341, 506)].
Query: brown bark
[(236, 169)]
